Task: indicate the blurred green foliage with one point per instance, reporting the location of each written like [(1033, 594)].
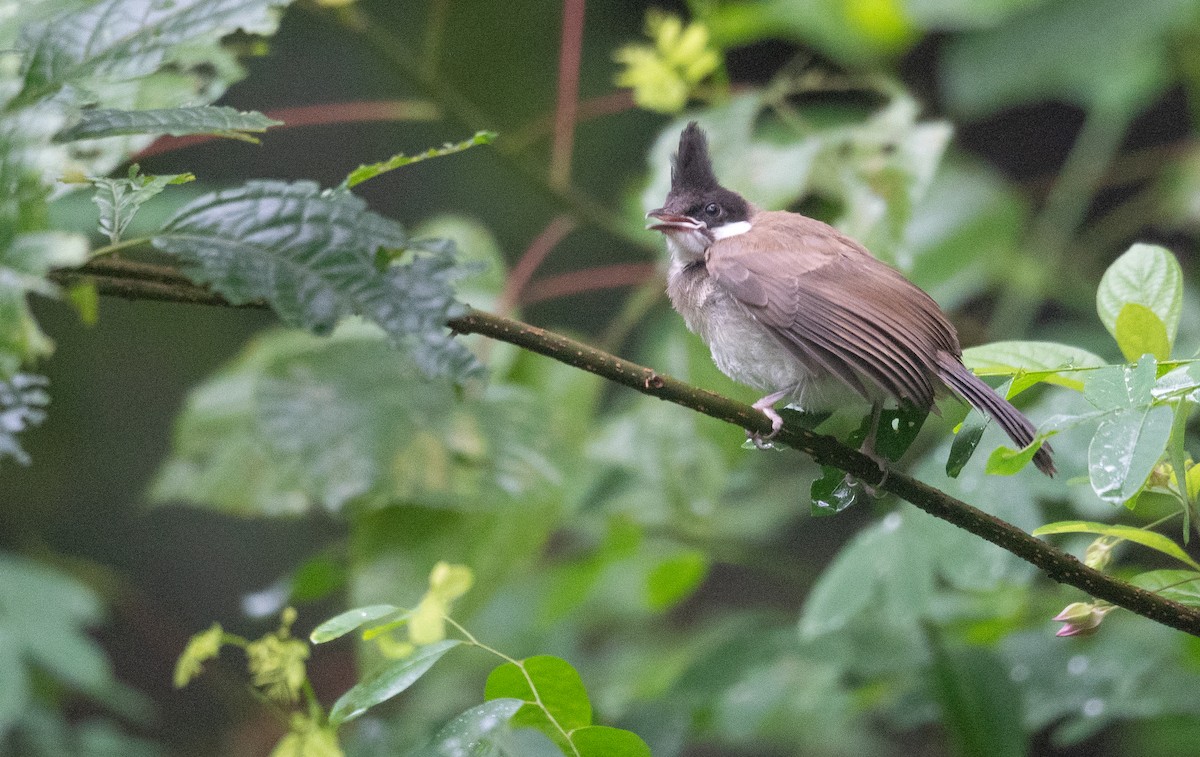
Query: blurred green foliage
[(645, 572)]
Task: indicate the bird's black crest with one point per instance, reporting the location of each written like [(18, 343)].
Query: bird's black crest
[(691, 167)]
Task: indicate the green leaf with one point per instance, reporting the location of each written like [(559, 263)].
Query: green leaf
[(1122, 387), (602, 741), (388, 682), (675, 578), (1005, 461), (14, 694), (467, 734), (221, 121), (24, 264), (44, 615), (119, 199), (547, 681), (1140, 332), (969, 216), (23, 401), (1125, 449), (828, 25), (1178, 383), (1182, 586), (340, 625), (312, 256), (966, 440), (365, 172), (1146, 275), (300, 422), (316, 578), (126, 39), (980, 704), (1048, 53), (1150, 539), (1031, 362)]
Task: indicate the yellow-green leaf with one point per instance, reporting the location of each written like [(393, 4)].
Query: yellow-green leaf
[(200, 648), (1140, 331), (1141, 536)]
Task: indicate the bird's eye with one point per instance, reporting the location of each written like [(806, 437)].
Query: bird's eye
[(712, 209)]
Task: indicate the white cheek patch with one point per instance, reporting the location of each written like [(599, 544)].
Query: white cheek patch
[(731, 230)]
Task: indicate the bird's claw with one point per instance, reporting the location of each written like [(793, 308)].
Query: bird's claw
[(763, 441)]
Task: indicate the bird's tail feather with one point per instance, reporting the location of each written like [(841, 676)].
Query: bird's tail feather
[(985, 399)]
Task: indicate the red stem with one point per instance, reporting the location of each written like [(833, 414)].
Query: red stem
[(532, 258), (587, 280), (569, 56), (316, 115)]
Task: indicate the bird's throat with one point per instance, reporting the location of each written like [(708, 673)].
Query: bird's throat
[(730, 230)]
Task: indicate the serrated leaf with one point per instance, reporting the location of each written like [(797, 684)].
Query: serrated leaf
[(1032, 362), (365, 172), (23, 401), (1125, 449), (1139, 331), (1182, 586), (1146, 275), (44, 616), (221, 121), (120, 199), (127, 39), (24, 264), (556, 687), (388, 682), (312, 256), (300, 422), (340, 625), (464, 736), (603, 741), (1150, 539)]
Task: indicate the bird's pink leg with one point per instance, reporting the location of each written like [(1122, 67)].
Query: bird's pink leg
[(766, 407)]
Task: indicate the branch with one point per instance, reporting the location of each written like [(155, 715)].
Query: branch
[(142, 281)]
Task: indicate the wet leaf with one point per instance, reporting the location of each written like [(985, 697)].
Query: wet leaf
[(388, 682), (1125, 449)]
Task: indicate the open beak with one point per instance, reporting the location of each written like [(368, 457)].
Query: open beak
[(667, 221)]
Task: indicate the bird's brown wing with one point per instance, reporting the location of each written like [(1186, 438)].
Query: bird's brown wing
[(836, 307)]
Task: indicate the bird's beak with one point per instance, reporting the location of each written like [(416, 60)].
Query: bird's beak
[(667, 221)]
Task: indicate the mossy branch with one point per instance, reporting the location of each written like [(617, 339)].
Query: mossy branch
[(139, 281)]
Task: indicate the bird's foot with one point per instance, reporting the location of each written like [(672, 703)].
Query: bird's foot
[(763, 441), (881, 463)]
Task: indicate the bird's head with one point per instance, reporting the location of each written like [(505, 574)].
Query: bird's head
[(698, 210)]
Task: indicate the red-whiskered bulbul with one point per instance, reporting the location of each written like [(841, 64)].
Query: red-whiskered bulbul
[(791, 306)]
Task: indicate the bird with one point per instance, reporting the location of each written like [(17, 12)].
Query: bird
[(791, 306)]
